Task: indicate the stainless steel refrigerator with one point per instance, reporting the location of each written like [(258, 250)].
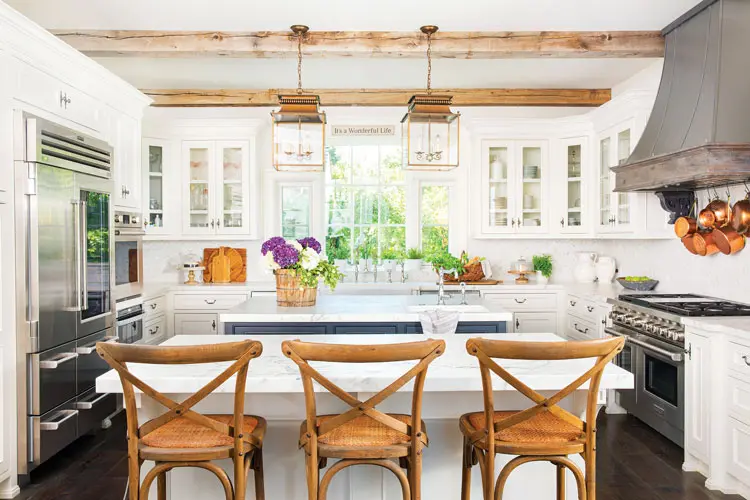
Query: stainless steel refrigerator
[(64, 276)]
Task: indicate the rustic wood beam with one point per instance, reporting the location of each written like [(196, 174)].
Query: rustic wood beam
[(379, 97), (326, 44)]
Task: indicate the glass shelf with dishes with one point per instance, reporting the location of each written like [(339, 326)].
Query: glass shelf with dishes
[(574, 216)]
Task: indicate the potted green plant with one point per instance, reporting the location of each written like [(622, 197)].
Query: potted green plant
[(543, 267), (389, 258), (413, 260)]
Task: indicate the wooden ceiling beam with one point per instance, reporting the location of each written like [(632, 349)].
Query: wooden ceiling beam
[(380, 97), (327, 44)]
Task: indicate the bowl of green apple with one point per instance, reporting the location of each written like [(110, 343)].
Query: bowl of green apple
[(638, 283)]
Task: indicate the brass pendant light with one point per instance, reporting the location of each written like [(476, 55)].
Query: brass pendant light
[(298, 131), (429, 129)]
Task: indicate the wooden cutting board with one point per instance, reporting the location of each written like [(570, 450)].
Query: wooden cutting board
[(481, 282), (237, 264), (220, 266)]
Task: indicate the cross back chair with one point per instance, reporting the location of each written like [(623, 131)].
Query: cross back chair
[(182, 437), (363, 435), (543, 432)]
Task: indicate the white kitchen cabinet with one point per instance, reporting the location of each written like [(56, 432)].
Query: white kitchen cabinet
[(535, 322), (515, 177), (697, 396), (196, 324), (127, 168), (216, 194), (155, 330), (7, 347), (572, 204), (161, 202), (585, 319)]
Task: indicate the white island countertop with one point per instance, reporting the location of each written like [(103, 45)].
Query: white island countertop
[(359, 309), (455, 370)]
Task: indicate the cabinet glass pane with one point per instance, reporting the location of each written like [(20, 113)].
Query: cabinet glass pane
[(498, 186), (623, 199), (604, 184), (532, 187), (574, 186), (295, 211), (155, 185), (232, 188), (199, 189)]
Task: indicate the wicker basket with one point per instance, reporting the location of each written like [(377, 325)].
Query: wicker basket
[(472, 272), (291, 293)]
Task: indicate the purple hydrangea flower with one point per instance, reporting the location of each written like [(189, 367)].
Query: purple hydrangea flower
[(270, 244), (285, 255), (311, 242)]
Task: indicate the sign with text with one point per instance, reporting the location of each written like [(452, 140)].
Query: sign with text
[(362, 130)]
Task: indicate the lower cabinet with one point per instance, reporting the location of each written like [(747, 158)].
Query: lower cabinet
[(739, 450), (196, 324), (155, 330), (531, 322), (697, 401)]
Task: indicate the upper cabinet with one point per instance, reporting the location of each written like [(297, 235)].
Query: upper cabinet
[(616, 211), (515, 176), (216, 189), (161, 210), (127, 169), (573, 206)]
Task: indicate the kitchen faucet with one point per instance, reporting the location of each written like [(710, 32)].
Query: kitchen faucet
[(441, 286), (404, 276), (356, 272), (463, 294)]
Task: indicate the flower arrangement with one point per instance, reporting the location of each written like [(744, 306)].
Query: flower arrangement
[(303, 258)]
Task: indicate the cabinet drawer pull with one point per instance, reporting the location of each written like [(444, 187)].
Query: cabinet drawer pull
[(56, 361), (519, 301), (53, 425), (573, 303), (746, 360), (153, 306), (585, 331), (154, 331), (88, 405), (213, 325), (210, 301), (590, 308)]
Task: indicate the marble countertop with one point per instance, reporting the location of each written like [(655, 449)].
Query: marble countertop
[(456, 370), (355, 309), (736, 325)]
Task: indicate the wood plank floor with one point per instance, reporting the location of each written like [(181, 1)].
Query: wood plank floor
[(634, 462)]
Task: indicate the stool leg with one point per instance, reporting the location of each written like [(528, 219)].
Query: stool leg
[(415, 473), (590, 459), (161, 486), (257, 464), (468, 459), (313, 476), (560, 482), (240, 476)]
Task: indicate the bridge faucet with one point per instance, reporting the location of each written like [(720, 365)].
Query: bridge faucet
[(441, 285), (463, 294)]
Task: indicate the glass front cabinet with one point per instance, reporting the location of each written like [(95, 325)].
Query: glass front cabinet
[(571, 186), (216, 192), (616, 211), (515, 175), (160, 212)]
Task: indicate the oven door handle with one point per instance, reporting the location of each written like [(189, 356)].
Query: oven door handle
[(674, 356), (130, 320)]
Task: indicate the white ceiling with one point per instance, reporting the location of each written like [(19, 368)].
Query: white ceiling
[(374, 73), (381, 15)]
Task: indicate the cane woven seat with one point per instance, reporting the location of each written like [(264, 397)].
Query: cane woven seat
[(543, 428), (184, 433), (362, 431)]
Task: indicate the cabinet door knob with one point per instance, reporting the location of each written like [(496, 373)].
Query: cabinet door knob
[(562, 221), (212, 223), (213, 324), (518, 324)]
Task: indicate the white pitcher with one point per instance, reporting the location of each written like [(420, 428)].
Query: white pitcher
[(585, 270), (606, 267)]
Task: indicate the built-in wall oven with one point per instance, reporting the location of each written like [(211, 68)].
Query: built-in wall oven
[(130, 316), (128, 255)]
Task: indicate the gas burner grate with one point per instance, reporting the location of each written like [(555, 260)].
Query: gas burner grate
[(689, 304)]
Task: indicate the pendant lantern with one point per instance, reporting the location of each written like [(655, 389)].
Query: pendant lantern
[(298, 129), (429, 129)]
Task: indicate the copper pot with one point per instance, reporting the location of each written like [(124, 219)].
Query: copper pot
[(741, 216), (728, 240), (685, 226), (689, 243), (717, 214), (704, 243)]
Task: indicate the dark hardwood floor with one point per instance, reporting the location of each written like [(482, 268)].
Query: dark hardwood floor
[(634, 463)]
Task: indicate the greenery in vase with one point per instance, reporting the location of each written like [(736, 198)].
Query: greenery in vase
[(414, 254), (445, 260), (302, 257), (543, 264), (390, 254)]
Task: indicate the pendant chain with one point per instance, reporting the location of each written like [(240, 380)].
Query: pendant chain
[(299, 63), (429, 63)]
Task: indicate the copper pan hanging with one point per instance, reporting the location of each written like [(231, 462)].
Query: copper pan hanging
[(741, 215), (704, 243)]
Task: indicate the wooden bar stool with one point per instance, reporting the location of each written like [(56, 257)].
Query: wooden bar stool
[(544, 432), (364, 435), (181, 437)]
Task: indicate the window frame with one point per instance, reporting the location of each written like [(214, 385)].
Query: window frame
[(421, 184)]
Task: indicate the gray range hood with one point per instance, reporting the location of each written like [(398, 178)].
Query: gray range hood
[(698, 134)]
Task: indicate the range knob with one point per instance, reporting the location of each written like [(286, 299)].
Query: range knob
[(117, 219), (135, 221)]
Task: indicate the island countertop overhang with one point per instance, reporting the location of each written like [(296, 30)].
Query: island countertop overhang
[(354, 309)]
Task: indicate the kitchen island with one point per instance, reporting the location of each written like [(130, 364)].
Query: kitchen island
[(452, 387), (360, 314)]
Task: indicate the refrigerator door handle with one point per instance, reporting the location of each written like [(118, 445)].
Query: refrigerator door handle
[(78, 253), (32, 259), (82, 259)]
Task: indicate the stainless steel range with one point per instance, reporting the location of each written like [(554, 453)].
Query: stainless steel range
[(655, 353)]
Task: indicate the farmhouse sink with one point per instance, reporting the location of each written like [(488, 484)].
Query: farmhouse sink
[(450, 307)]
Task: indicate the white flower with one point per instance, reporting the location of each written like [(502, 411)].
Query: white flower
[(268, 262), (295, 244), (309, 259)]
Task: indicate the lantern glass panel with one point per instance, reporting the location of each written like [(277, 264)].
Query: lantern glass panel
[(299, 144), (430, 142)]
